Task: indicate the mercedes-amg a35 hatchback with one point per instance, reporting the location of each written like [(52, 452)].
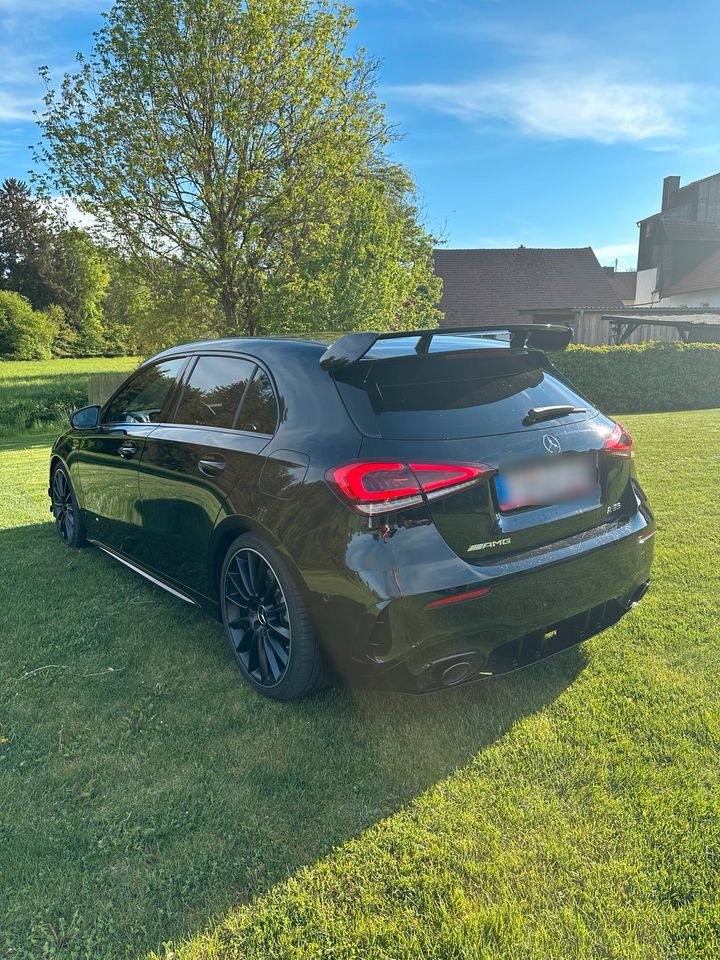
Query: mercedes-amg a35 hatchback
[(417, 510)]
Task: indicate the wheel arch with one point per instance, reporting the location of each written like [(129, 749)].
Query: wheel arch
[(56, 461), (233, 527)]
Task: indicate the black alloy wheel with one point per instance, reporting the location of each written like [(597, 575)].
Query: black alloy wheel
[(266, 624), (68, 521), (257, 617)]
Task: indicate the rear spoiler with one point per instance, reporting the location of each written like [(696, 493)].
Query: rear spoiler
[(352, 347)]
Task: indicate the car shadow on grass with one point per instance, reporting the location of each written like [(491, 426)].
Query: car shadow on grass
[(148, 790)]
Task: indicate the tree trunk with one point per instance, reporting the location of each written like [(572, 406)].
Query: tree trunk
[(229, 303)]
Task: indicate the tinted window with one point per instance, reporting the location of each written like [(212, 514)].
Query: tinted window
[(259, 409), (450, 396), (214, 391), (141, 399)]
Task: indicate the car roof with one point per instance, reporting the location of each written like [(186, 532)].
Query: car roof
[(264, 348), (305, 349)]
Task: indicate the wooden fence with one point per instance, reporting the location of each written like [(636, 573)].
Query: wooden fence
[(102, 385)]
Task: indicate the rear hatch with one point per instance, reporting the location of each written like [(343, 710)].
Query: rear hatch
[(472, 401)]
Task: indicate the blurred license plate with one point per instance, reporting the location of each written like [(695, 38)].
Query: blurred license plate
[(562, 478)]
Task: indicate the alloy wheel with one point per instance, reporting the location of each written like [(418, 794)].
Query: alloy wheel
[(257, 617), (63, 506)]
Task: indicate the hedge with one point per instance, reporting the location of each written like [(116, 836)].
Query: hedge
[(645, 377), (634, 378)]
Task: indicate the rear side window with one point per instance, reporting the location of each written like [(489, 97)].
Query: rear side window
[(213, 393), (142, 398), (452, 396), (258, 413)]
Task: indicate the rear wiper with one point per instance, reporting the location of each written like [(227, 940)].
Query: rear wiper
[(537, 414)]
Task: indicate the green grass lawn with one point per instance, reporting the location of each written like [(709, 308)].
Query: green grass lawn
[(570, 811), (34, 393)]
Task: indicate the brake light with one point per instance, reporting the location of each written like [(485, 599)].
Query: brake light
[(375, 487), (619, 443)]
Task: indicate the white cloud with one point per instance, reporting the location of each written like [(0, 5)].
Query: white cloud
[(624, 253), (68, 209), (14, 107), (563, 106)]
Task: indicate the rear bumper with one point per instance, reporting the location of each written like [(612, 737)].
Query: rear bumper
[(536, 606)]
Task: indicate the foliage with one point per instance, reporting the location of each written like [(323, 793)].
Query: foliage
[(370, 270), (25, 334), (82, 278), (25, 244), (36, 395), (645, 377), (569, 811), (242, 142), (176, 309)]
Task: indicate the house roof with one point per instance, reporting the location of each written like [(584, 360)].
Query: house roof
[(623, 282), (493, 285), (705, 276)]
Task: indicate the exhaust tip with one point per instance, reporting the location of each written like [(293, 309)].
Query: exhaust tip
[(638, 595), (456, 673)]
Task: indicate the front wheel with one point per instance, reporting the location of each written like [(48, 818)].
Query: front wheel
[(266, 623), (68, 518)]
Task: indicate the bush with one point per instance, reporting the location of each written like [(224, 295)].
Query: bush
[(25, 334), (645, 377)]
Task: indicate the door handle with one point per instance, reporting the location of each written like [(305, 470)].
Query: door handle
[(127, 450), (210, 465)]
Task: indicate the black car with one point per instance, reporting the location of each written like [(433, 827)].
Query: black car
[(415, 510)]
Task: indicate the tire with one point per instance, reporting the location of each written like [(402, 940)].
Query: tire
[(266, 623), (69, 522)]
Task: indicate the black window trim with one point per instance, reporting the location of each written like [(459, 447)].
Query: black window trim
[(184, 379), (178, 379)]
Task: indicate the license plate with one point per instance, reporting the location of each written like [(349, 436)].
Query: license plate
[(563, 478)]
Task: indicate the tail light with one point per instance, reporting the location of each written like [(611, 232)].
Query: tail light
[(374, 487), (619, 443)]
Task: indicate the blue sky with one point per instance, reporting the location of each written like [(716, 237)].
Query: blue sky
[(546, 124)]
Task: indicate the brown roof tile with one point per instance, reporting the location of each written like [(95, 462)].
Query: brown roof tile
[(623, 283), (487, 286), (705, 276)]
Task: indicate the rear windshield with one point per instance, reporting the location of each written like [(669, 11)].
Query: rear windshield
[(452, 395)]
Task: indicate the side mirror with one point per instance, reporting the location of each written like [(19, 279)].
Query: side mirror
[(86, 417)]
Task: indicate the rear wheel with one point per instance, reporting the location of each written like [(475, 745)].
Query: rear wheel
[(68, 519), (266, 623)]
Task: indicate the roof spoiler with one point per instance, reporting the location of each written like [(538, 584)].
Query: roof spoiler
[(352, 347)]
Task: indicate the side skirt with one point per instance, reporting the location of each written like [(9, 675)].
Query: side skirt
[(144, 573)]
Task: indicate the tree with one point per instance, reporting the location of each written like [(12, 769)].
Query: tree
[(25, 334), (25, 244), (372, 269), (82, 277), (146, 315), (237, 139)]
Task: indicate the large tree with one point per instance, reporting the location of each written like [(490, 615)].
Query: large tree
[(25, 244), (238, 139), (82, 276)]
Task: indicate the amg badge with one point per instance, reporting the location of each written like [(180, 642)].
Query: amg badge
[(490, 543)]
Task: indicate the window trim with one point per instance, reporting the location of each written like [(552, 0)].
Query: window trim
[(257, 365), (102, 423)]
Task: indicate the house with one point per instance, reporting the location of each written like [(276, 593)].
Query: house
[(492, 286), (678, 253), (699, 288), (623, 283)]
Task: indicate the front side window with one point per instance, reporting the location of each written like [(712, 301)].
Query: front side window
[(142, 398), (214, 391)]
